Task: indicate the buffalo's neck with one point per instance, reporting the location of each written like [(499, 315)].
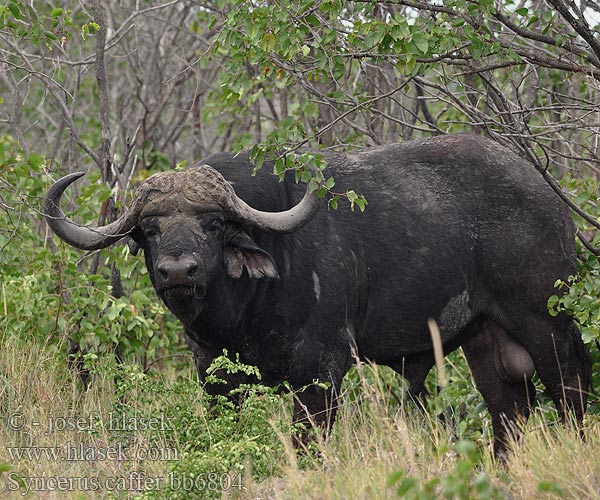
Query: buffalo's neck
[(225, 334), (260, 337)]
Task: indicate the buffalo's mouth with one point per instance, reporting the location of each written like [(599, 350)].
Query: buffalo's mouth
[(182, 293), (186, 302)]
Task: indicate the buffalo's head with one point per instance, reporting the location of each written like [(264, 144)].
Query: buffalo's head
[(190, 225)]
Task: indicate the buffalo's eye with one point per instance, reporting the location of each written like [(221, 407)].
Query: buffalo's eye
[(214, 226), (150, 233)]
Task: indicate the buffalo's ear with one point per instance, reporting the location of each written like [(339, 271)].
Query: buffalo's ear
[(241, 251), (133, 241)]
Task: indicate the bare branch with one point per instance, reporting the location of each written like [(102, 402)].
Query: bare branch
[(102, 82)]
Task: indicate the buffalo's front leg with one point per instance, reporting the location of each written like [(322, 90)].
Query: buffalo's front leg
[(203, 358), (316, 372), (314, 408)]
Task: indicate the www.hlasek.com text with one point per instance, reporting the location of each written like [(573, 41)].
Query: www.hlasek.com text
[(83, 452)]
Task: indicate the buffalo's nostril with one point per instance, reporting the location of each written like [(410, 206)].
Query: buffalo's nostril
[(177, 270), (164, 273), (193, 267)]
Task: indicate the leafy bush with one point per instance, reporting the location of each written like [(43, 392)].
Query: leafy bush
[(46, 291), (210, 444), (582, 300)]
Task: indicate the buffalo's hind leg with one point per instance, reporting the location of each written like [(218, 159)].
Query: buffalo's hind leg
[(562, 361), (506, 389)]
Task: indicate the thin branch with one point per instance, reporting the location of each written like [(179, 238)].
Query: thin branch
[(586, 243), (102, 82), (579, 25)]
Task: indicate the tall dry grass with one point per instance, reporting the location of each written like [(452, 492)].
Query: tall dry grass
[(378, 446)]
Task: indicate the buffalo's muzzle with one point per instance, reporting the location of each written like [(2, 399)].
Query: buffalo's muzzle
[(177, 271)]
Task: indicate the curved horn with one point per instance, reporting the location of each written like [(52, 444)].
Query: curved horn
[(83, 237), (287, 221), (204, 185)]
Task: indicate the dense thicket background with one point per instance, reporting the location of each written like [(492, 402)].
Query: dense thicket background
[(124, 89)]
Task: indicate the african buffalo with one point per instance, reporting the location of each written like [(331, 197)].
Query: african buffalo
[(458, 229)]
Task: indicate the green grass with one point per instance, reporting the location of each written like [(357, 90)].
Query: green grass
[(185, 447)]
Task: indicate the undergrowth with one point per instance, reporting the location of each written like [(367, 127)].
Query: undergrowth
[(160, 435)]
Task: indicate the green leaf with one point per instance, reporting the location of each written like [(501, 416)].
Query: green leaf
[(552, 305), (35, 161), (394, 477), (257, 155), (15, 10), (407, 65), (406, 486), (17, 477), (421, 42), (56, 12), (268, 42), (333, 202), (549, 487), (361, 203), (466, 449)]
